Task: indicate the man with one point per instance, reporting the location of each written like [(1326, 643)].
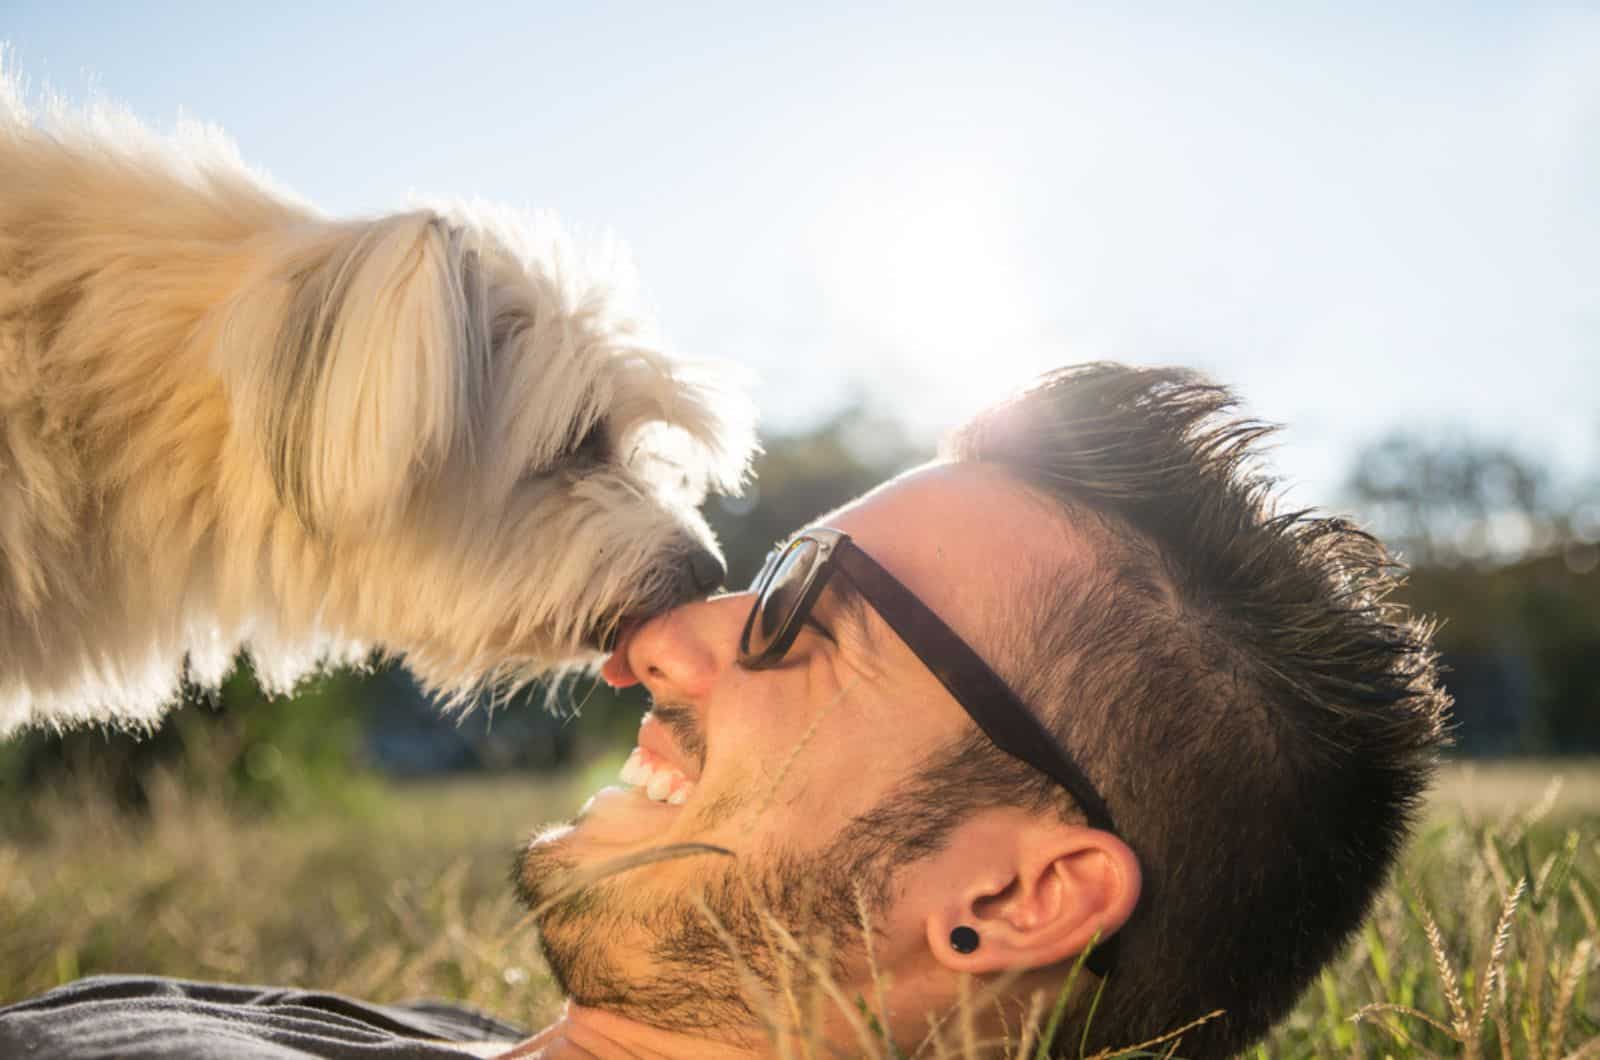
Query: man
[(1069, 716)]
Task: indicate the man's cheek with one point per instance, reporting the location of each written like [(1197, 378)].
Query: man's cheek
[(718, 808)]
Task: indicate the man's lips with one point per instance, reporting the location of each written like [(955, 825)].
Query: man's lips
[(655, 737)]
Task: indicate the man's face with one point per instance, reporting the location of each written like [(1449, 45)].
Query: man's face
[(777, 766)]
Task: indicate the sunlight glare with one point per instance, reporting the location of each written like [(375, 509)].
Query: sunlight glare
[(923, 271)]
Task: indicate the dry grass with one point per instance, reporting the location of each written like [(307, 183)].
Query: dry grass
[(403, 900), (1495, 789), (1486, 947)]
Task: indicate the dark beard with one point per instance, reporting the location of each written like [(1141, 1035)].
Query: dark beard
[(694, 983)]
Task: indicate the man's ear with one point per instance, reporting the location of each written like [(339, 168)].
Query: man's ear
[(1035, 891)]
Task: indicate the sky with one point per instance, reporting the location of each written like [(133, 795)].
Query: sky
[(1362, 216)]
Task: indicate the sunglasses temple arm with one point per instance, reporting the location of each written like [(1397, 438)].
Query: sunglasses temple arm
[(1012, 728)]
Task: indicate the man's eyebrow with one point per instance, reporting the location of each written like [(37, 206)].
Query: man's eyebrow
[(850, 614)]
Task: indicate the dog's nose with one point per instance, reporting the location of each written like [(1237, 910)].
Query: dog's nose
[(706, 571)]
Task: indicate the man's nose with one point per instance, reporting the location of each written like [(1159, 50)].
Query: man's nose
[(680, 654)]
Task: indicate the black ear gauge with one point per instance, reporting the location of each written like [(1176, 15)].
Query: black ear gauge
[(963, 939)]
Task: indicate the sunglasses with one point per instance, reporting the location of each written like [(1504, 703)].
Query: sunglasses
[(789, 586)]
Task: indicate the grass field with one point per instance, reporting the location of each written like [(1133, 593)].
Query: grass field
[(1484, 946)]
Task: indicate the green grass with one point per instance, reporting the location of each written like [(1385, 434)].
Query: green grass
[(1486, 944)]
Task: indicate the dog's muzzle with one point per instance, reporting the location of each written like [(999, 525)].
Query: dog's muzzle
[(701, 574)]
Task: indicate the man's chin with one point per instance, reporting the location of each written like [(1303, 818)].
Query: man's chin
[(541, 865), (616, 823), (639, 943), (650, 956), (623, 816)]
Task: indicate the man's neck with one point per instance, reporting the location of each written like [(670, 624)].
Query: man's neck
[(590, 1034)]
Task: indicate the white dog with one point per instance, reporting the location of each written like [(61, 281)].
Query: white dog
[(226, 420)]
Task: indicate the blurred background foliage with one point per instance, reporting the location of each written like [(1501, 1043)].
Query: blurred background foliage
[(1502, 553)]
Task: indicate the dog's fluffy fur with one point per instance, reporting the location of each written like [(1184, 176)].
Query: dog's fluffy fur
[(226, 420)]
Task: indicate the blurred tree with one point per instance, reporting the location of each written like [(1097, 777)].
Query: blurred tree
[(802, 476), (1507, 559), (266, 753), (1447, 500)]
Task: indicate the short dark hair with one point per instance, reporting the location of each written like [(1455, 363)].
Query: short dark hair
[(1261, 719)]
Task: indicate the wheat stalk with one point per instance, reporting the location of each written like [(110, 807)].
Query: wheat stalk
[(1364, 1013), (756, 993), (1534, 973), (965, 1009), (1172, 1036), (1546, 803), (823, 977), (771, 790), (1441, 960), (1577, 967), (576, 880), (1030, 1023), (1585, 907), (1493, 963), (1504, 1035), (880, 984), (1588, 1049), (1491, 856)]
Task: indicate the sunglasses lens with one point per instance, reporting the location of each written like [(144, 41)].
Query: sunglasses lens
[(782, 595)]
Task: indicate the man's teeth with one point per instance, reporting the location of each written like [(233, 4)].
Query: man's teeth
[(634, 772), (658, 781)]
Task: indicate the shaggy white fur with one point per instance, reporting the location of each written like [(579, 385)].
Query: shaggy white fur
[(226, 420)]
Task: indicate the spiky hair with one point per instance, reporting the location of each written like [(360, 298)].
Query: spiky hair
[(1260, 717)]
